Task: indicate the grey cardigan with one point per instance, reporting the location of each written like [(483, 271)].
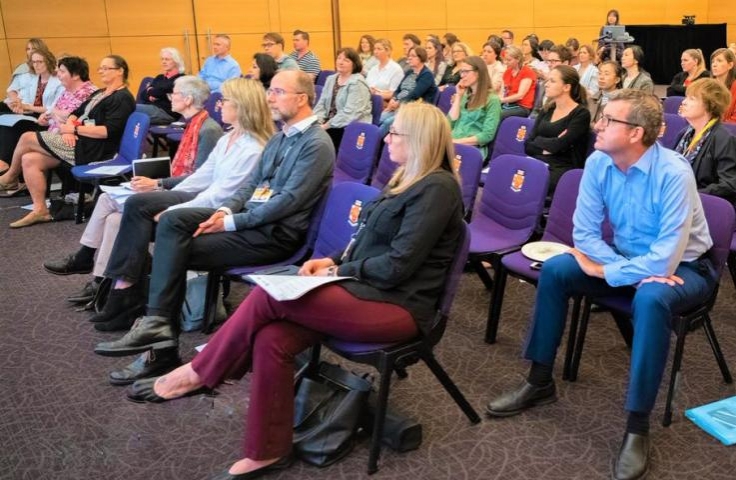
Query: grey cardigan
[(353, 102)]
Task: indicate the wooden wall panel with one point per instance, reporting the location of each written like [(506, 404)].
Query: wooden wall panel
[(362, 16), (234, 16), (722, 12), (6, 68), (54, 18), (571, 14), (91, 48), (137, 17), (308, 15), (481, 15), (411, 15)]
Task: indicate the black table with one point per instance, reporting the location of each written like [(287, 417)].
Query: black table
[(663, 45)]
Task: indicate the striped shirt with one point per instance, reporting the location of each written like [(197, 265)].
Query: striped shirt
[(308, 63)]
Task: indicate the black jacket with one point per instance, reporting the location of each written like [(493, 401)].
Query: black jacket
[(112, 112), (715, 165), (677, 87)]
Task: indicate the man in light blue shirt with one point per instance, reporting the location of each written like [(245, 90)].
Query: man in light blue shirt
[(273, 44), (660, 235), (221, 65)]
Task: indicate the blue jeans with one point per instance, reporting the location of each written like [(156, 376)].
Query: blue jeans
[(653, 305)]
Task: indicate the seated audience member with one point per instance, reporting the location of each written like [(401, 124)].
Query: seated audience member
[(518, 85), (544, 47), (345, 98), (273, 44), (198, 139), (732, 47), (304, 56), (608, 50), (91, 133), (657, 256), (38, 99), (610, 75), (435, 61), (385, 77), (508, 38), (723, 67), (693, 68), (460, 51), (264, 222), (561, 131), (417, 84), (156, 99), (531, 57), (365, 52), (263, 69), (19, 79), (636, 77), (449, 39), (706, 143), (408, 42), (492, 57), (221, 65), (573, 45), (392, 298), (476, 109), (557, 55), (587, 69)]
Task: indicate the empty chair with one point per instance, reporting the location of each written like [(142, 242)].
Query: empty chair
[(384, 170), (672, 104), (721, 219), (468, 164), (358, 153), (672, 125), (509, 209), (510, 138), (444, 99)]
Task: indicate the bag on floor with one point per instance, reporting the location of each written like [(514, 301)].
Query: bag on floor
[(328, 412), (192, 310)]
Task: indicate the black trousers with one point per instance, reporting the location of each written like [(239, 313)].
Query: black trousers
[(9, 137)]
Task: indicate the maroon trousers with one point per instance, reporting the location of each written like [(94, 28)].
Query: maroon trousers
[(266, 334)]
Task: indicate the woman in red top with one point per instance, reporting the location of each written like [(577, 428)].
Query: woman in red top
[(518, 85), (723, 68)]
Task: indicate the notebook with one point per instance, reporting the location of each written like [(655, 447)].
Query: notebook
[(159, 167)]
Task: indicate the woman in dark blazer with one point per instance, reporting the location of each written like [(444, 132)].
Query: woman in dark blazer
[(693, 68), (398, 259), (706, 143)]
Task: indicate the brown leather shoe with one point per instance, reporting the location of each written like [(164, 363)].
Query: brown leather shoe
[(32, 219)]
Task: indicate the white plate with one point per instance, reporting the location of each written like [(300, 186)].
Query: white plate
[(543, 251)]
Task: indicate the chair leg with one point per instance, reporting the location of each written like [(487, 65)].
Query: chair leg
[(675, 374), (210, 301), (731, 262), (494, 309), (387, 368), (572, 336), (710, 334), (625, 327), (450, 387), (79, 211), (483, 274), (579, 342)]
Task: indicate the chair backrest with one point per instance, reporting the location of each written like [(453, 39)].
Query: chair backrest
[(340, 218), (672, 104), (444, 99), (317, 93), (591, 143), (322, 76), (140, 97), (384, 171), (672, 125), (358, 152), (213, 105), (134, 136), (376, 109), (514, 193), (469, 160), (731, 127), (511, 136), (559, 221), (721, 219)]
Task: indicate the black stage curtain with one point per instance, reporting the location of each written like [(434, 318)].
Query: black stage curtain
[(663, 45)]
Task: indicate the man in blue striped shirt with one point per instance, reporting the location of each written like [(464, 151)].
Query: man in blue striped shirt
[(305, 58), (660, 235)]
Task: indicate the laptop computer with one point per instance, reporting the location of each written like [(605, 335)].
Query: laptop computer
[(158, 167), (615, 33)]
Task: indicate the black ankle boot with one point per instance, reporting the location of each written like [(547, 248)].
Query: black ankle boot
[(152, 363), (123, 303)]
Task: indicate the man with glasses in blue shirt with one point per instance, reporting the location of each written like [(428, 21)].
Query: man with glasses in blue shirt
[(221, 65), (660, 236)]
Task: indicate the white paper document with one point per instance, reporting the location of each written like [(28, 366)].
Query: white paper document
[(118, 193), (291, 287), (110, 169)]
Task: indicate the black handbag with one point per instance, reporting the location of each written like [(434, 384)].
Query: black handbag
[(328, 411)]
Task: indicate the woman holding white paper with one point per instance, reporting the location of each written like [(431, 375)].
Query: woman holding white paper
[(398, 261)]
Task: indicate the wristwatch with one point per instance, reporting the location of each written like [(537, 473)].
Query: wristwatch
[(76, 130), (332, 271)]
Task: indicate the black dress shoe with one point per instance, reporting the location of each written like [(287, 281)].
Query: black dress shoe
[(142, 391), (524, 397), (148, 332), (68, 265), (85, 295), (281, 464), (121, 305), (153, 363), (119, 323), (633, 457)]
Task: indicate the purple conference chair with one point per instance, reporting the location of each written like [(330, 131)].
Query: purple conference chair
[(444, 99), (731, 261), (376, 109), (508, 212), (470, 162), (510, 138), (721, 221), (387, 357), (731, 127), (672, 125), (317, 93), (358, 153), (213, 105), (322, 77), (672, 104), (384, 170), (140, 96)]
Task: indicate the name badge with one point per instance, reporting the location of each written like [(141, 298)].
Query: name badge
[(261, 194)]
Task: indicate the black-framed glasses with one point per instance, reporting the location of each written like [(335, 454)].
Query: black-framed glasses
[(608, 120), (394, 133), (554, 60), (280, 92)]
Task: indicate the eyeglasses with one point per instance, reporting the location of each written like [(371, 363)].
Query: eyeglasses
[(104, 69), (607, 120), (554, 60), (267, 44), (170, 96), (393, 133), (464, 72), (280, 92)]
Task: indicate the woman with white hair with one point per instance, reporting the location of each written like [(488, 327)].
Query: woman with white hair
[(156, 104)]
